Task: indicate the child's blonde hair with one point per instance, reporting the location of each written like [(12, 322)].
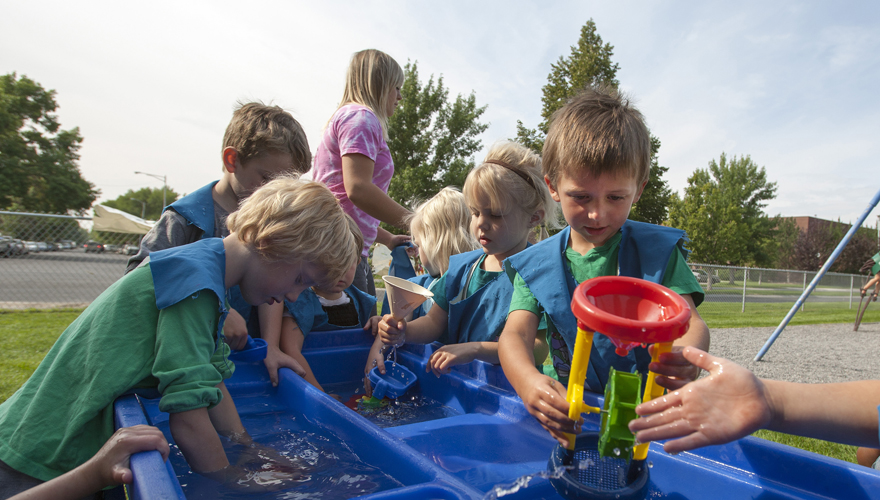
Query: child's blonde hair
[(443, 226), (257, 129), (510, 177), (371, 76), (598, 131), (295, 219)]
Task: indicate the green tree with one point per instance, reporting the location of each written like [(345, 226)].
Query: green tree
[(723, 213), (146, 200), (432, 138), (589, 64), (38, 160)]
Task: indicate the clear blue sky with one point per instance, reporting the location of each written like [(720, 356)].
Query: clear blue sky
[(152, 85)]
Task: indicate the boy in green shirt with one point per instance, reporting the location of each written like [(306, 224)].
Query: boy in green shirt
[(160, 327), (597, 159)]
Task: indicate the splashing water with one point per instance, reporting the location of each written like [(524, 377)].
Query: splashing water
[(501, 490)]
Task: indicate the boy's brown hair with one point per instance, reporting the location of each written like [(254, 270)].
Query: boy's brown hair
[(600, 131), (257, 129)]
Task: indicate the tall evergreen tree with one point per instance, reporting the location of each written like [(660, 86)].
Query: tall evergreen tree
[(588, 64)]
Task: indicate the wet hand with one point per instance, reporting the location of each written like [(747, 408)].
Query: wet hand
[(545, 400), (111, 463), (391, 331), (443, 359), (729, 404), (673, 369)]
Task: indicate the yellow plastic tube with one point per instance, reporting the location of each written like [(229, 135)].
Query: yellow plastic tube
[(576, 378), (652, 391)]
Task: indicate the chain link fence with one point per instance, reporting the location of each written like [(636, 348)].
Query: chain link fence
[(734, 288), (49, 261)]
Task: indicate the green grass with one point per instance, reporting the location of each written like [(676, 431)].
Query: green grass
[(26, 337), (729, 315)]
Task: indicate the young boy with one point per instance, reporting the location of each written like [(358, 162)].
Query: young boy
[(260, 142), (596, 163), (159, 327)]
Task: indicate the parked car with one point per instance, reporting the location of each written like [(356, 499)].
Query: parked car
[(93, 246), (66, 244), (703, 276), (109, 247), (6, 248), (129, 250), (20, 247), (32, 246)]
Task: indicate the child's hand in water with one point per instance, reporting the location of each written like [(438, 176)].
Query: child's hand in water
[(391, 331), (673, 369), (443, 359)]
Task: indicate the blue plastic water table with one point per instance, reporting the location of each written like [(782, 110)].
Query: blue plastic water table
[(490, 439)]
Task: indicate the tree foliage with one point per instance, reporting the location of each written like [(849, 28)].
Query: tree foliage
[(589, 64), (432, 138), (146, 200), (813, 247), (38, 160), (723, 213)]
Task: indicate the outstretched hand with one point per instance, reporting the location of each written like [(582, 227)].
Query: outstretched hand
[(729, 404)]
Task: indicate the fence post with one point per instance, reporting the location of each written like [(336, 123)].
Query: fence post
[(851, 284), (804, 303), (745, 279)]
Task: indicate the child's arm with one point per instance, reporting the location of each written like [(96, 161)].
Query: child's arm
[(235, 330), (110, 466), (357, 177), (543, 397), (292, 340), (275, 358), (376, 358), (391, 240), (198, 441), (732, 402), (443, 359), (422, 330), (675, 371)]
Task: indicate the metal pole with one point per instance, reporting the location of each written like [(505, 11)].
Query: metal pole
[(851, 284), (745, 278), (805, 287), (828, 263)]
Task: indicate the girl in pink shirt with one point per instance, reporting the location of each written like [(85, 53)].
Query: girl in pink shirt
[(353, 159)]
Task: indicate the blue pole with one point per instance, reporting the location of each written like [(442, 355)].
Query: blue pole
[(819, 275)]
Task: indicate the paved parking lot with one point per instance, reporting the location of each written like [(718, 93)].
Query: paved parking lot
[(68, 278)]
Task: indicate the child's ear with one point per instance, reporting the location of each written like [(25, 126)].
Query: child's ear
[(536, 218), (641, 190), (553, 193), (230, 159)]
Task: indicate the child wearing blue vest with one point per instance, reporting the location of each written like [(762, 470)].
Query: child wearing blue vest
[(440, 228), (159, 329), (260, 142), (597, 159), (323, 308), (507, 199)]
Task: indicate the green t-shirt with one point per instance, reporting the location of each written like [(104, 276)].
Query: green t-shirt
[(601, 261), (479, 279), (63, 414)]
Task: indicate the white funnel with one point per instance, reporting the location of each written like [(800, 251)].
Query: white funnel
[(404, 296)]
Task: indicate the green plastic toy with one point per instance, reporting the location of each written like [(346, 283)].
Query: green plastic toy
[(622, 395)]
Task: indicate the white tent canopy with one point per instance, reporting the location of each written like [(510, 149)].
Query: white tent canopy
[(116, 221)]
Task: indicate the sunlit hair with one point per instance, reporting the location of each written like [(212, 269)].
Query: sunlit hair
[(441, 226), (599, 131), (371, 76), (257, 129), (291, 219), (507, 191)]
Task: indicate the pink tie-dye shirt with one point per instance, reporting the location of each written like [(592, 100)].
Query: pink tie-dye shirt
[(354, 129)]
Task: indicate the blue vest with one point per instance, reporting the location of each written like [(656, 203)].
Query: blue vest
[(401, 267), (181, 272), (198, 209), (310, 316), (423, 280), (480, 317), (645, 250)]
